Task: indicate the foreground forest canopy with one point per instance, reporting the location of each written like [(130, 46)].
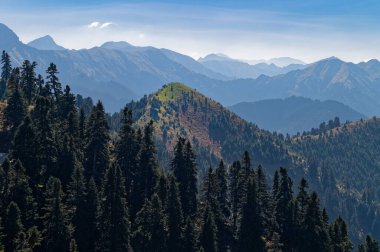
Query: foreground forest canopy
[(68, 183)]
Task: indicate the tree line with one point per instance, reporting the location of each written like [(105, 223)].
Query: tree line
[(69, 185)]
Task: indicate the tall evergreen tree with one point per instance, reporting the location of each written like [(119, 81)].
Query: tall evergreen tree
[(21, 193), (58, 229), (370, 245), (46, 147), (251, 229), (24, 149), (127, 155), (149, 170), (6, 70), (184, 169), (223, 221), (115, 225), (208, 239), (28, 80), (12, 228), (175, 217), (53, 82), (315, 235), (96, 151), (339, 236), (15, 110), (150, 234), (190, 242), (284, 211), (89, 224)]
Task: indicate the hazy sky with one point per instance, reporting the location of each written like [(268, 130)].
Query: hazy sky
[(303, 29)]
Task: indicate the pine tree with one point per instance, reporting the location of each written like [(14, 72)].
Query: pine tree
[(263, 199), (6, 70), (115, 225), (12, 227), (127, 156), (208, 239), (53, 82), (46, 147), (315, 235), (57, 233), (251, 229), (28, 80), (15, 110), (184, 169), (284, 211), (96, 151), (21, 193), (339, 236), (149, 171), (223, 221), (24, 149), (150, 234), (78, 205), (370, 245), (190, 242), (175, 217), (88, 239)]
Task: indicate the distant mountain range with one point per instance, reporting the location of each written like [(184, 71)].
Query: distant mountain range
[(293, 114), (117, 72), (356, 85), (280, 62), (45, 43), (239, 69)]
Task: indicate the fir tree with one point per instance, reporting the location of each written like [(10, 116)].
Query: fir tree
[(6, 70), (223, 220), (24, 149), (370, 245), (190, 242), (57, 233), (175, 218), (251, 229), (28, 80), (149, 171), (97, 139), (184, 169), (315, 235), (89, 224), (46, 147), (15, 110), (12, 228), (127, 155), (150, 234), (284, 211), (53, 82), (208, 239), (115, 225), (339, 236)]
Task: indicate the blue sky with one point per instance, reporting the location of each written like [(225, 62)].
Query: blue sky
[(308, 30)]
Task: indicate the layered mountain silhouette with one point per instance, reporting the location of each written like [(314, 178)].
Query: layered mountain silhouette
[(117, 72), (294, 114), (239, 69), (45, 43)]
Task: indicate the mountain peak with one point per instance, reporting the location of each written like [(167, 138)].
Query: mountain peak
[(215, 57), (8, 37), (118, 45), (45, 43)]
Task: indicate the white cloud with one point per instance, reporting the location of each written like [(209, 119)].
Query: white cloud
[(105, 25), (98, 25), (93, 25)]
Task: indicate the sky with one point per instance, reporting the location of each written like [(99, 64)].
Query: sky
[(307, 30)]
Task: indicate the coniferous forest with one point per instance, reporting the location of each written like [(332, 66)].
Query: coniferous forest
[(68, 183)]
